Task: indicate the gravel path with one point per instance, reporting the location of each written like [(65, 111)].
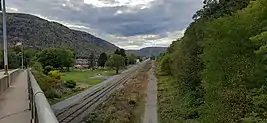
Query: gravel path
[(150, 115)]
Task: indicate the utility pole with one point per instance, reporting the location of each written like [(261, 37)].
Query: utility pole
[(22, 55), (5, 38)]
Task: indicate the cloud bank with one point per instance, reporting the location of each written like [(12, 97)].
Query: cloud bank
[(130, 24)]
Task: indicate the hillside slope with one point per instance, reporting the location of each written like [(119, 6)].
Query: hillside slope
[(149, 51), (39, 33)]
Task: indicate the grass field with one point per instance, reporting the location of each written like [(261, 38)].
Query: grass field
[(84, 79), (86, 76)]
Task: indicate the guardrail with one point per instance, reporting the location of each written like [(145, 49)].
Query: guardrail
[(40, 108), (5, 80)]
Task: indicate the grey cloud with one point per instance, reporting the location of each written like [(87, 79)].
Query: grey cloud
[(160, 17)]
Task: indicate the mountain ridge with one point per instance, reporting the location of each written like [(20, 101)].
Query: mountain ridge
[(148, 51), (38, 33)]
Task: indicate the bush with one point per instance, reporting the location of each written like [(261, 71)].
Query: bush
[(37, 66), (76, 89), (47, 69), (53, 93), (55, 74), (70, 84), (165, 64)]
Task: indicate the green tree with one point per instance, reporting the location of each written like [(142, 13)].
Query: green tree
[(132, 58), (14, 60), (56, 57), (231, 66), (117, 51), (165, 64), (28, 55), (116, 61), (47, 69), (67, 57), (91, 61), (102, 59), (219, 8), (122, 53), (37, 66), (49, 57), (220, 64)]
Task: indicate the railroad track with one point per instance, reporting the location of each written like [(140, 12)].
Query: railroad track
[(75, 113)]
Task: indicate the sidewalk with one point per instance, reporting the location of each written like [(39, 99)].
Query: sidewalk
[(14, 104)]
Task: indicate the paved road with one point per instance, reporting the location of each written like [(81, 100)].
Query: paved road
[(150, 115), (14, 102)]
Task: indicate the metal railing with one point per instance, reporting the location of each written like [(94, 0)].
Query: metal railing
[(6, 80), (41, 111)]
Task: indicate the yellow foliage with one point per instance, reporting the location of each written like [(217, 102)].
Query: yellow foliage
[(55, 74)]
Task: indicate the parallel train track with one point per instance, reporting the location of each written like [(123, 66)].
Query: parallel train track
[(75, 113)]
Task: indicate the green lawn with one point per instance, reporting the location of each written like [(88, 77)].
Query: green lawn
[(86, 76), (84, 79)]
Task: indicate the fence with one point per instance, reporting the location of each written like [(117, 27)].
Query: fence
[(41, 111)]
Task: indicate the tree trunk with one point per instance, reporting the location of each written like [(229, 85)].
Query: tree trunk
[(117, 70)]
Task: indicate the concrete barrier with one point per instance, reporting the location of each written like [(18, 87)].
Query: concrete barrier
[(6, 80)]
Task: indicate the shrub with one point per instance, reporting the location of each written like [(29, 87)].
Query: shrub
[(165, 64), (47, 69), (37, 66), (55, 74), (53, 93), (70, 84)]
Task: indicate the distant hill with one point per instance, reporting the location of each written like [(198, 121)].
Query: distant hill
[(149, 51), (38, 33)]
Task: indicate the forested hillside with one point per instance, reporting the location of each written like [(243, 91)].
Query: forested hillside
[(216, 73), (38, 33), (149, 51)]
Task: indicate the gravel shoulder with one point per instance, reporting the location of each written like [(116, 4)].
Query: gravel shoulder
[(150, 115)]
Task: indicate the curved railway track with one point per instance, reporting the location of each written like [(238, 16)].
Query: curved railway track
[(75, 113)]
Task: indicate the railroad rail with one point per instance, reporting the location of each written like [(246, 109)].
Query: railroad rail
[(75, 113)]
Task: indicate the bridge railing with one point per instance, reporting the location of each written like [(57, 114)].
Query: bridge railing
[(6, 80), (40, 108)]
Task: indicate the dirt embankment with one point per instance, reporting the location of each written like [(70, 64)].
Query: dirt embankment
[(126, 105)]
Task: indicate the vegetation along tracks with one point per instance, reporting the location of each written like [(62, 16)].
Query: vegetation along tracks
[(78, 111)]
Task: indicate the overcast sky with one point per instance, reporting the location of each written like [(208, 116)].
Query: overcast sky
[(129, 24)]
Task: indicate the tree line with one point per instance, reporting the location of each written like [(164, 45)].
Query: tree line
[(63, 58), (15, 57), (119, 59), (219, 65)]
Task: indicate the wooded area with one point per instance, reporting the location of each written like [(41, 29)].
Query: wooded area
[(219, 66)]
